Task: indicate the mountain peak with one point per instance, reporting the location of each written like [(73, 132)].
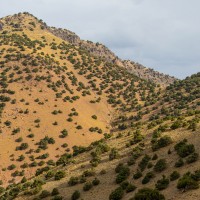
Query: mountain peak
[(28, 21)]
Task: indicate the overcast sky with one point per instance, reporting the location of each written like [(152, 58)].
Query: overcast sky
[(160, 34)]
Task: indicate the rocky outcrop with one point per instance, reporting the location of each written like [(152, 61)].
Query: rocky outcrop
[(148, 73), (65, 35), (1, 26), (100, 50)]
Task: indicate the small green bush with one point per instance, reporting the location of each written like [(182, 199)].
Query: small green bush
[(174, 175), (96, 181), (179, 163), (137, 175), (192, 158), (87, 186), (117, 194), (147, 177), (44, 194), (76, 195), (73, 181), (59, 175), (162, 183), (187, 182), (148, 194), (160, 165), (54, 192)]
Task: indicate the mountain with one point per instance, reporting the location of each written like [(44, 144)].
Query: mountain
[(100, 50), (76, 120)]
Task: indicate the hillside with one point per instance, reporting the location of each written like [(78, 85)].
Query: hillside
[(101, 51), (71, 108)]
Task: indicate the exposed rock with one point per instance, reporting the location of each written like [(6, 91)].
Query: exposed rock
[(1, 26)]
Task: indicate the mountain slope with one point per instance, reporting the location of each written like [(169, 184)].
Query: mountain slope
[(159, 153), (100, 50), (56, 98)]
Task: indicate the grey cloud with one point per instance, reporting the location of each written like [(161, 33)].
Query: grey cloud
[(160, 34)]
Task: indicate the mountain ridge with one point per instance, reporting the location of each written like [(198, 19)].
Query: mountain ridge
[(102, 51)]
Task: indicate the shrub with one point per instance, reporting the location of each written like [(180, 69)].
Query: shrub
[(162, 142), (144, 162), (183, 149), (96, 181), (73, 181), (137, 175), (123, 174), (124, 185), (117, 194), (179, 163), (131, 161), (150, 165), (148, 194), (160, 165), (87, 186), (113, 154), (162, 183), (155, 157), (130, 188), (196, 175), (54, 192), (192, 158), (57, 197), (94, 117), (147, 177), (44, 194), (23, 146), (59, 175), (89, 173), (76, 195), (2, 190), (187, 182), (49, 174), (64, 133), (174, 175), (119, 167)]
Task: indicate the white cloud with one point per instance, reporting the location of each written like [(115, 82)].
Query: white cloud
[(160, 34)]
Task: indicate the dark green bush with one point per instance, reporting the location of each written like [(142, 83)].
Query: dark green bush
[(174, 175), (144, 162), (87, 186), (179, 163), (44, 194), (137, 175), (160, 165), (183, 149), (148, 194), (54, 192), (76, 195), (162, 142), (162, 183), (192, 158), (96, 181), (117, 194), (123, 174), (73, 181), (147, 177), (59, 175), (130, 188), (187, 182)]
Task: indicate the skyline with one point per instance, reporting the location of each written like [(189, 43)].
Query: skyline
[(163, 36)]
